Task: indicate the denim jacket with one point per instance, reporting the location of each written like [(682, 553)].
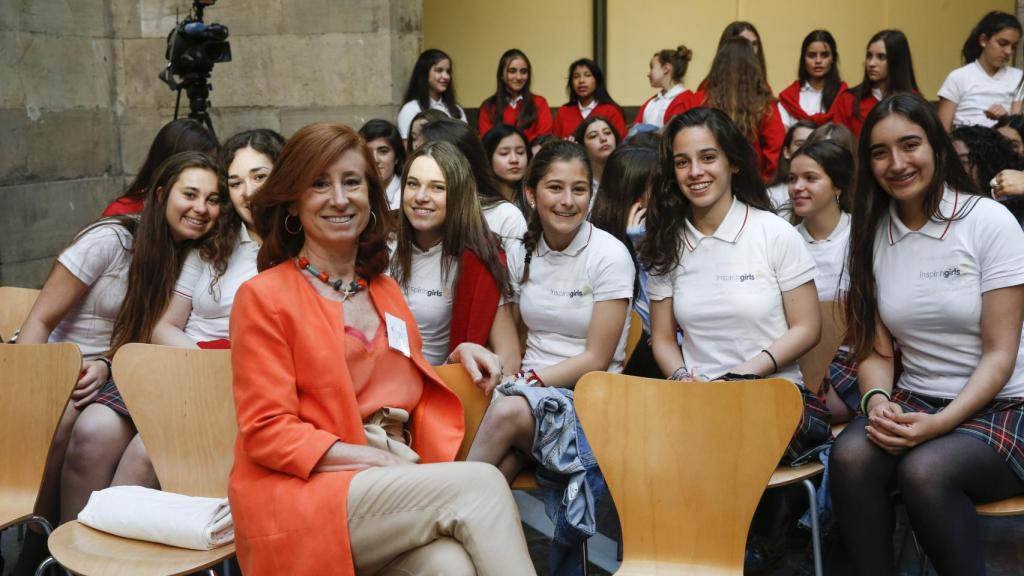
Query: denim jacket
[(568, 472)]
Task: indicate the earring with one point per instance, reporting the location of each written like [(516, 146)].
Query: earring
[(374, 217), (289, 230)]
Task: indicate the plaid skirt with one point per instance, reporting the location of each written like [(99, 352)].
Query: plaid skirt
[(110, 397), (1000, 423), (813, 434), (842, 377)]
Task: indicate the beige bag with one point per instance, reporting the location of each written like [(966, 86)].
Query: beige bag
[(385, 430)]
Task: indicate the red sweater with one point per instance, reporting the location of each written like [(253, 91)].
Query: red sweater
[(844, 115), (123, 205), (790, 100), (678, 105), (540, 126), (569, 118), (771, 134)]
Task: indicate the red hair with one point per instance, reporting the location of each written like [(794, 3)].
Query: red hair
[(308, 153)]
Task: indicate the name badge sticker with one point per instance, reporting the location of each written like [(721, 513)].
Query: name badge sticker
[(398, 334)]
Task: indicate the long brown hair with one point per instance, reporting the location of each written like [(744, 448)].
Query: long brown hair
[(464, 227), (156, 258), (307, 154), (871, 204), (736, 86)]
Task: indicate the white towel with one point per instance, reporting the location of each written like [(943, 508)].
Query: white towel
[(164, 517)]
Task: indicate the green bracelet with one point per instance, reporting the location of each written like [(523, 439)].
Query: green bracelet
[(867, 395)]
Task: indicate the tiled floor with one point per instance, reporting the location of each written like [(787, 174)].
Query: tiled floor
[(1004, 540)]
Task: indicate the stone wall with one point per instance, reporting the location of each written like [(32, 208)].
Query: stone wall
[(80, 100)]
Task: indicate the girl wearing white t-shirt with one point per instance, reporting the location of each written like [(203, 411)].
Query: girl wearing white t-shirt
[(939, 272), (820, 188), (986, 88), (503, 217), (509, 153), (389, 154), (447, 261), (778, 186), (736, 279), (180, 209), (431, 87), (199, 310), (572, 284)]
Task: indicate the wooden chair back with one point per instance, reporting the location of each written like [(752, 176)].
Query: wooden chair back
[(474, 403), (37, 381), (182, 404), (686, 463), (636, 331), (814, 364), (15, 304)]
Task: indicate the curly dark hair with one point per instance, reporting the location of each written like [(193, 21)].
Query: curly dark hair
[(988, 154)]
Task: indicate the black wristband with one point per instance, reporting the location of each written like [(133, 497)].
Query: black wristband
[(775, 365), (110, 369)]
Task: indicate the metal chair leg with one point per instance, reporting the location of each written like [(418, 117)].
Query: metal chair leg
[(812, 496), (227, 567), (41, 570), (583, 554)]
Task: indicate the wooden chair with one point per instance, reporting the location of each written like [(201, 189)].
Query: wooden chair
[(182, 404), (37, 381), (686, 463), (15, 304), (474, 405), (814, 367)]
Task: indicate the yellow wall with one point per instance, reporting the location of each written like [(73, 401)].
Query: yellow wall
[(555, 32)]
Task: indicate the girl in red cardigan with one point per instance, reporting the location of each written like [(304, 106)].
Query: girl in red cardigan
[(735, 86), (447, 261), (512, 102), (587, 95), (667, 70), (818, 86), (888, 69)]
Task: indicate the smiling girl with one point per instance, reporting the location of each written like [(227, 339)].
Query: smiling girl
[(818, 86), (184, 204), (512, 102), (448, 262), (431, 87), (588, 95), (936, 270)]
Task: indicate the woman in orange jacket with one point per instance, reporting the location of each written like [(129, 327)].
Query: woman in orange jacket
[(336, 404)]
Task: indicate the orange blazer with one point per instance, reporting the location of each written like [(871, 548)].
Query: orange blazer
[(294, 399)]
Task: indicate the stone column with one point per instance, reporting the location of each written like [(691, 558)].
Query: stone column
[(80, 100)]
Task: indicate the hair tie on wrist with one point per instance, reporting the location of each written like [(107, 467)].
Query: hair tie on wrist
[(775, 365), (867, 395)]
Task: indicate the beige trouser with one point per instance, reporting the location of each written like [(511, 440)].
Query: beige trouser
[(450, 519)]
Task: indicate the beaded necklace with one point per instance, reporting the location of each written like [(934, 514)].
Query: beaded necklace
[(346, 290)]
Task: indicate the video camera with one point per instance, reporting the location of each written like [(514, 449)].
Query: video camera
[(193, 47)]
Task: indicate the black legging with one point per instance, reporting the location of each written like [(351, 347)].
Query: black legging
[(940, 480)]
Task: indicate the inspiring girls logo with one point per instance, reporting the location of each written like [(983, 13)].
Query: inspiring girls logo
[(946, 274)]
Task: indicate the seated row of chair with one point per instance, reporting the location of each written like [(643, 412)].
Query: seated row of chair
[(183, 406)]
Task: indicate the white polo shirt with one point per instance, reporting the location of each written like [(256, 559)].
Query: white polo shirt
[(654, 112), (930, 283), (394, 192), (779, 196), (411, 108), (505, 220), (727, 290), (211, 303), (810, 102), (830, 259), (431, 300), (974, 91), (557, 302), (100, 259)]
